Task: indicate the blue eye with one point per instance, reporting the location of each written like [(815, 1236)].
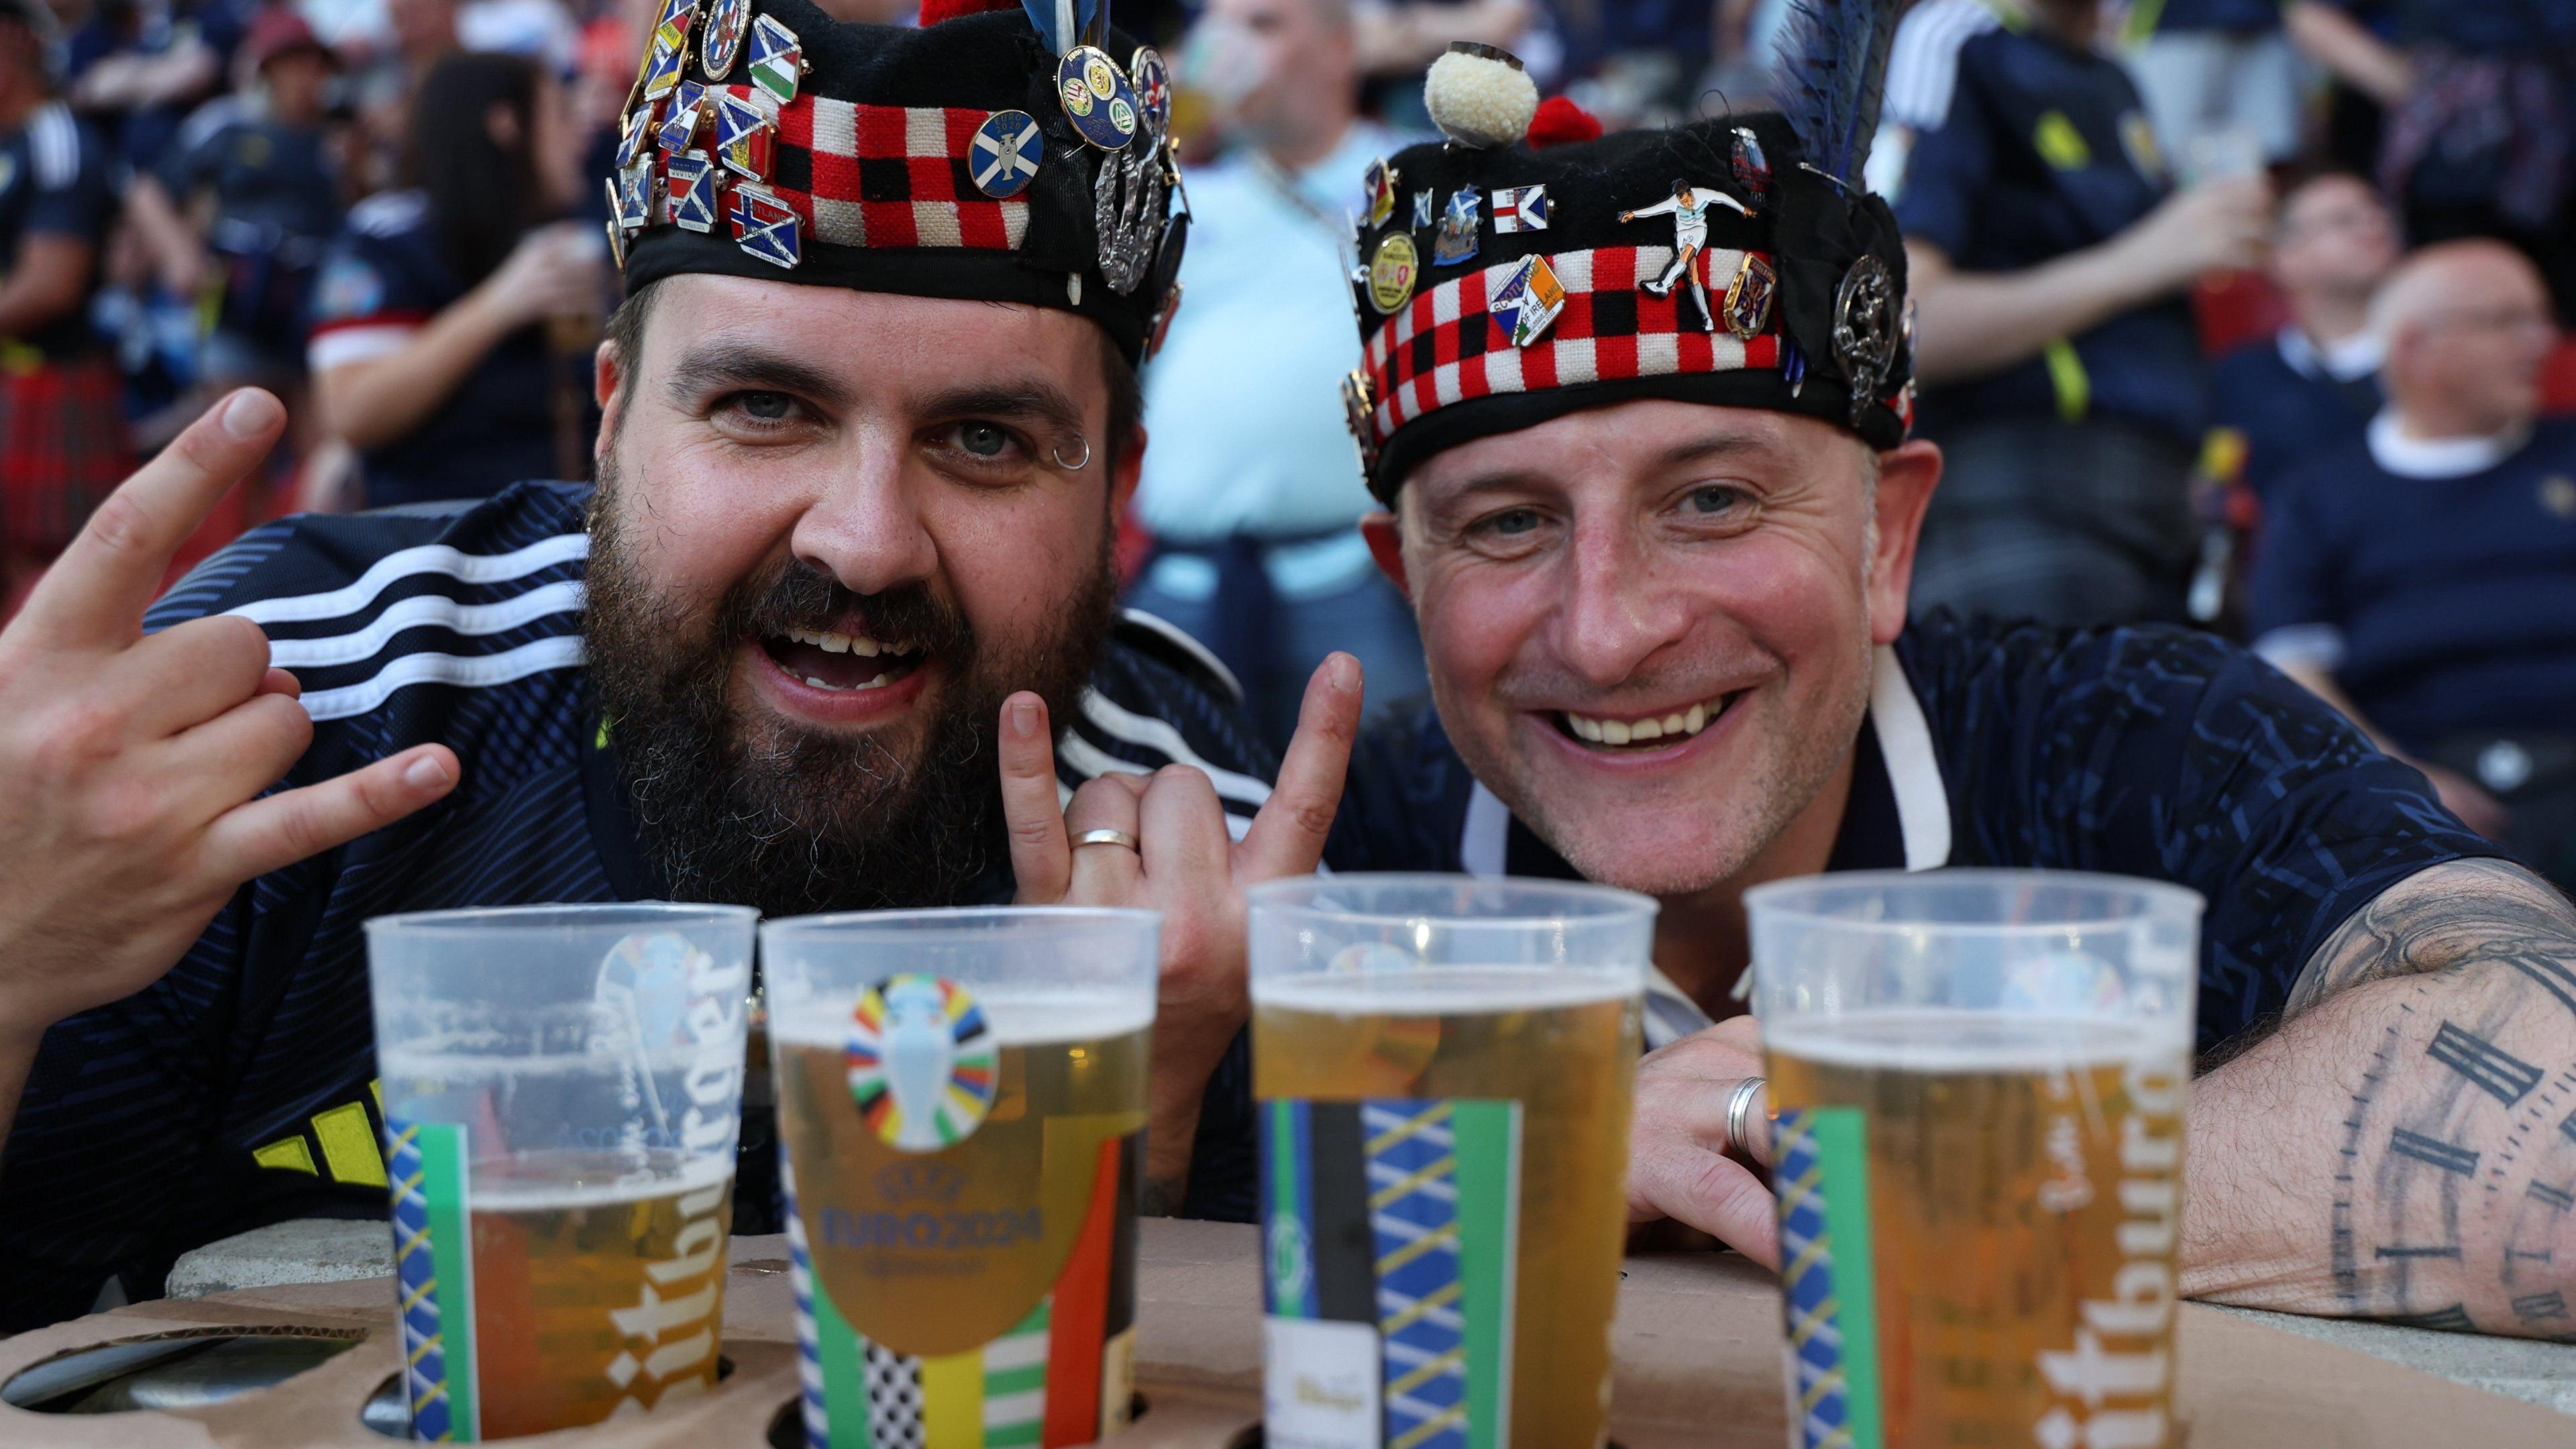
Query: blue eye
[(769, 407), (1513, 521), (982, 439), (1713, 498)]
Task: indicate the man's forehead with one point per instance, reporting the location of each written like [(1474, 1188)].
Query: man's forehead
[(868, 340), (1630, 442)]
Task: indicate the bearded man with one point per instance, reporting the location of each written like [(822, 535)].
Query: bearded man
[(859, 470)]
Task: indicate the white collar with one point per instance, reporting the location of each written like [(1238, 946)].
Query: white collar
[(2434, 458), (2354, 357), (1904, 743)]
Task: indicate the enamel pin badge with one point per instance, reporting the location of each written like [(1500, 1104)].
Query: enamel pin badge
[(777, 59), (1006, 152)]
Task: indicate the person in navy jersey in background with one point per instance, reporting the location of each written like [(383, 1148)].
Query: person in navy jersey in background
[(62, 423), (844, 593), (138, 67), (2308, 389), (429, 351), (2050, 254), (2424, 579), (250, 203)]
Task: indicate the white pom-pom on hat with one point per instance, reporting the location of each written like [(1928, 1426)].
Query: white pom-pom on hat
[(1479, 95)]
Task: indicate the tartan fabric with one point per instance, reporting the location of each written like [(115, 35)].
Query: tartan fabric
[(63, 449), (1445, 346), (885, 176)]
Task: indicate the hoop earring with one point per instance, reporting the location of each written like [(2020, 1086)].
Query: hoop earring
[(1056, 454)]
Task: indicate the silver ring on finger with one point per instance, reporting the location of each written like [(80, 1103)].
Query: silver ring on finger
[(1105, 837), (1739, 1107)]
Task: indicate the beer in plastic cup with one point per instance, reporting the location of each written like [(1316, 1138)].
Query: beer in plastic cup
[(1444, 1068), (562, 1099), (961, 1113), (1977, 1080)]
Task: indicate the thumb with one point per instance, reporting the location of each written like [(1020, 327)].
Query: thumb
[(278, 830)]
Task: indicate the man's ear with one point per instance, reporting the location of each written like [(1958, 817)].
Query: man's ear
[(1131, 467), (1907, 475), (607, 369), (1385, 535)]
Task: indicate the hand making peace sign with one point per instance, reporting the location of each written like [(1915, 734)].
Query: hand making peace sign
[(131, 767)]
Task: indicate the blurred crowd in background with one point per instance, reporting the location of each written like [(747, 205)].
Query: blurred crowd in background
[(2237, 313)]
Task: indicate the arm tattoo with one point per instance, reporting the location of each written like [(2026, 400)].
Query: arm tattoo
[(2455, 1176), (2480, 911)]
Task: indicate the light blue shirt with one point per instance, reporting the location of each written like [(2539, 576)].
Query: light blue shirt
[(1244, 404)]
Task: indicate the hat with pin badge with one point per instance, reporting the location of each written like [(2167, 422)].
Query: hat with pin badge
[(1734, 260), (766, 139)]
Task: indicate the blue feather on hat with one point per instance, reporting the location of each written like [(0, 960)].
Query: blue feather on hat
[(1831, 77)]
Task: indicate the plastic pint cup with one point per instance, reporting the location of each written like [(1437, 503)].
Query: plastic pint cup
[(961, 1110), (1444, 1068), (1977, 1080), (562, 1099)]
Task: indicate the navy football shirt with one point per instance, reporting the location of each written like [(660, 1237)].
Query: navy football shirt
[(237, 1090), (2286, 401), (2144, 751), (53, 181), (2041, 150), (2441, 604), (381, 281)]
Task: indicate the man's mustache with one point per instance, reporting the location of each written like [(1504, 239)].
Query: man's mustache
[(798, 596)]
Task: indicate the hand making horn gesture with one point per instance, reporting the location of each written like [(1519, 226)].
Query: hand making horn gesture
[(132, 766), (1160, 842)]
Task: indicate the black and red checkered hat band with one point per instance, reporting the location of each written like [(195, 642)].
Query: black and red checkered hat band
[(888, 176), (1446, 347)]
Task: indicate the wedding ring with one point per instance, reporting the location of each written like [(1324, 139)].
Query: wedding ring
[(1104, 837), (1738, 1108)]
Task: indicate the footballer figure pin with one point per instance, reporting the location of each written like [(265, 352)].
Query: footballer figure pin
[(1689, 207)]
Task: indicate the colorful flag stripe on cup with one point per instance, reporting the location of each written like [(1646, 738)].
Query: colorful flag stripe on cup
[(434, 1271), (1391, 1239), (1829, 1302), (1064, 1375)]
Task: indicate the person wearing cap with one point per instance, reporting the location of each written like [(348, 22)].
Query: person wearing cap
[(62, 404), (1662, 579), (250, 201), (834, 630)]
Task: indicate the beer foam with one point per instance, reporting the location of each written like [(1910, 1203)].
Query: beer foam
[(1447, 991), (505, 1194), (1970, 1041), (1019, 1018)]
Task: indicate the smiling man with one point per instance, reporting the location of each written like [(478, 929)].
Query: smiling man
[(1662, 581), (860, 465)]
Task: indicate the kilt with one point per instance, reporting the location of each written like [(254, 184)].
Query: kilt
[(63, 449)]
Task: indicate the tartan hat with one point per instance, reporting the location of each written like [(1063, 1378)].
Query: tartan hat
[(765, 139), (1794, 300)]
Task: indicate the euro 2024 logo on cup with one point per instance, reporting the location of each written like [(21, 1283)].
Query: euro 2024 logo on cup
[(923, 1065)]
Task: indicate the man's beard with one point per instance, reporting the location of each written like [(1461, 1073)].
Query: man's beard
[(794, 820)]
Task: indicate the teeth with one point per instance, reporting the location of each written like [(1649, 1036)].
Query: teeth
[(835, 643), (862, 644), (1680, 724), (877, 683)]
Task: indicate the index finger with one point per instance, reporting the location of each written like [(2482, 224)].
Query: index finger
[(1287, 837), (97, 591), (1032, 809)]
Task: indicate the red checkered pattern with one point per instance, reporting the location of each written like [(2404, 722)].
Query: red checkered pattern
[(1445, 347), (886, 176)]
